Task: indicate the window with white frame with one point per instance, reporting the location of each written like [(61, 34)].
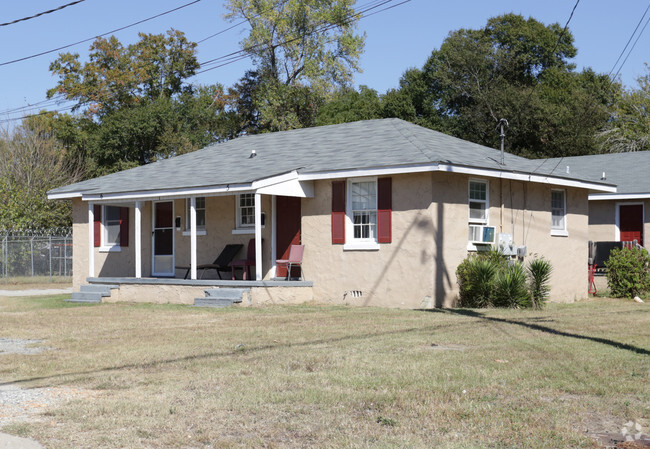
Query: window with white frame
[(111, 226), (362, 210), (200, 214), (478, 202), (246, 210), (558, 211)]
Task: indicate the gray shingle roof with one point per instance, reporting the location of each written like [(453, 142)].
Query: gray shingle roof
[(629, 171), (357, 145)]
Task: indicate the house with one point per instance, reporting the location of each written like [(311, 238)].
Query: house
[(618, 216), (386, 210)]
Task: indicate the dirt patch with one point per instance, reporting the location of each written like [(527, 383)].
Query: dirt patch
[(447, 347), (20, 346), (610, 432)]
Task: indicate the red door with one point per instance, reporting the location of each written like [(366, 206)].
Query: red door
[(287, 231), (631, 223)]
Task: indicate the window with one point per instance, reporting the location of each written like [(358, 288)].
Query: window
[(200, 214), (111, 226), (363, 199), (558, 212), (478, 202), (246, 210)]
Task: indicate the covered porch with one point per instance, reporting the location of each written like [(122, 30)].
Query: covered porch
[(156, 238)]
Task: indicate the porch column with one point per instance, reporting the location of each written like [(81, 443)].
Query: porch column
[(138, 239), (91, 239), (258, 237), (274, 242), (193, 237)]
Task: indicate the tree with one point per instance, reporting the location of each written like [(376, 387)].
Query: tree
[(629, 125), (302, 51), (32, 162), (348, 105), (517, 69), (116, 76), (137, 105)]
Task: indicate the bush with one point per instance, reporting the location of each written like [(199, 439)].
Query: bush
[(510, 287), (489, 280), (628, 272), (539, 274)]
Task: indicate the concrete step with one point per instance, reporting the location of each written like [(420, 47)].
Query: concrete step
[(103, 290), (213, 302), (88, 297), (235, 294)]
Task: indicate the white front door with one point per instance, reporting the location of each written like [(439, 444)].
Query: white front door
[(163, 238)]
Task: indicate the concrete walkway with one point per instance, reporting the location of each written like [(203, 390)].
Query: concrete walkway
[(36, 292), (11, 442)]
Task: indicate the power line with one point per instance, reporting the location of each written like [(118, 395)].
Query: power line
[(629, 52), (628, 42), (41, 13), (100, 35)]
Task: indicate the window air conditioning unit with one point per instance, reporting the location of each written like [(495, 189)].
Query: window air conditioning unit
[(481, 235)]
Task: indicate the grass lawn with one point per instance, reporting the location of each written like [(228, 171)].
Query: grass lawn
[(310, 376)]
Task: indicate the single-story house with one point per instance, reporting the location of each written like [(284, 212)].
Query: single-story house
[(618, 216), (386, 211)]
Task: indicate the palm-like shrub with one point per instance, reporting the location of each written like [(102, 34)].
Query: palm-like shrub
[(510, 287), (539, 275)]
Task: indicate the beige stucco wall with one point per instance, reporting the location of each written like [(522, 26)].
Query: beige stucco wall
[(429, 240), (416, 270), (602, 219)]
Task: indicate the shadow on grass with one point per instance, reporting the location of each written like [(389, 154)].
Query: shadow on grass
[(538, 327), (239, 349)]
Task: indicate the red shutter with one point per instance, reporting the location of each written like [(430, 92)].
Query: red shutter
[(97, 228), (384, 210), (124, 226), (338, 212)]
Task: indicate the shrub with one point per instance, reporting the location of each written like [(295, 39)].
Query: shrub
[(488, 279), (539, 275), (510, 287), (628, 272)]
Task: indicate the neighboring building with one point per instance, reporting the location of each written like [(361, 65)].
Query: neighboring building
[(621, 216), (386, 211)]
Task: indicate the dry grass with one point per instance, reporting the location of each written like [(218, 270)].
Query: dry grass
[(175, 376)]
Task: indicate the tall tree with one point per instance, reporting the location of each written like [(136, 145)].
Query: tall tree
[(32, 162), (518, 69), (629, 126), (302, 51)]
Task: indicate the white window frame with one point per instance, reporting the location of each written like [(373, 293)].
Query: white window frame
[(473, 221), (470, 220), (352, 243), (105, 246), (200, 230), (560, 231), (241, 228)]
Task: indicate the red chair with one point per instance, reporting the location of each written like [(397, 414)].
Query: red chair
[(295, 259), (245, 264)]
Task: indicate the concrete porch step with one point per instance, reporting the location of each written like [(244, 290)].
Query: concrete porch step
[(87, 297), (221, 297), (92, 293)]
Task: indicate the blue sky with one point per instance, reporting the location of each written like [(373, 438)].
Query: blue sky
[(397, 39)]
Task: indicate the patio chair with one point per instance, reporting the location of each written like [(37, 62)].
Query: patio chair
[(221, 263), (295, 259), (245, 264)]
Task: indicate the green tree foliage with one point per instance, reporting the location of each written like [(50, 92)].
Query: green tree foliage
[(513, 68), (629, 127), (32, 161), (349, 105), (137, 106), (302, 51)]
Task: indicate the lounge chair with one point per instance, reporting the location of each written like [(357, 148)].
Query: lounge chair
[(295, 259), (245, 264), (221, 263)]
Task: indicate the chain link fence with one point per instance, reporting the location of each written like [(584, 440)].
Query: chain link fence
[(38, 256)]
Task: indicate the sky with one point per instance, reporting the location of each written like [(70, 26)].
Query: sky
[(396, 39)]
